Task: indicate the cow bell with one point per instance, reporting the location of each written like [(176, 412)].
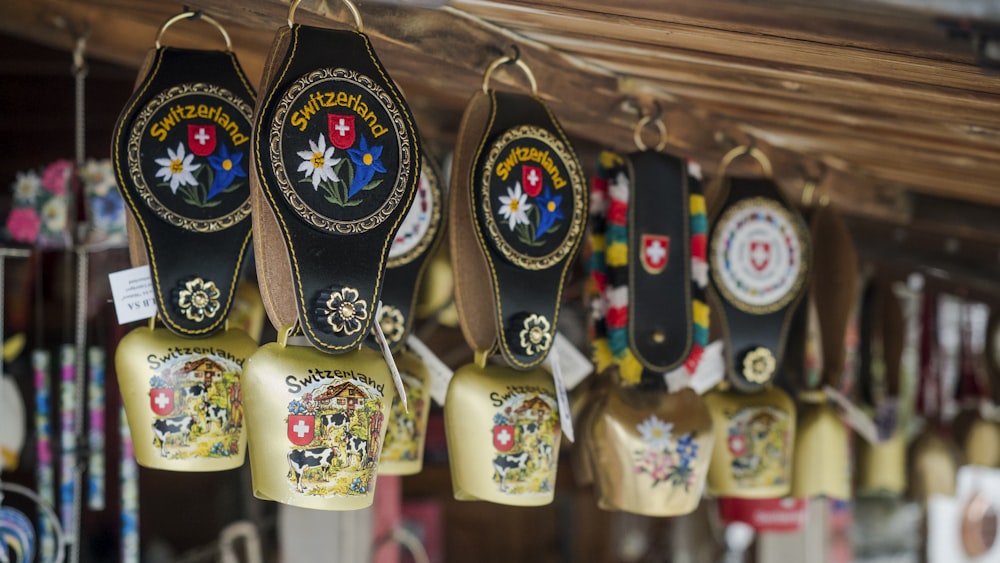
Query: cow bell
[(183, 398), (754, 437), (503, 432), (933, 465), (652, 450), (881, 468), (822, 465), (316, 423), (403, 452)]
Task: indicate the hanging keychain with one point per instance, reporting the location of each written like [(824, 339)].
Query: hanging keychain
[(759, 258), (181, 153), (517, 215), (649, 446), (336, 166)]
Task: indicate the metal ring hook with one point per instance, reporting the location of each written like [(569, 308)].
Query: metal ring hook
[(508, 60), (350, 6), (194, 15), (661, 128), (753, 152)]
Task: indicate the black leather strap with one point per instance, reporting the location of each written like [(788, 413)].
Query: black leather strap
[(660, 324), (758, 282), (181, 152), (524, 156), (326, 89)]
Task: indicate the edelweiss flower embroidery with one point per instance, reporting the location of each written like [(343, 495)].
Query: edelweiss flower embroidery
[(535, 335), (227, 168), (318, 162), (345, 312), (549, 205), (177, 168), (514, 207), (199, 299), (392, 323), (26, 187), (368, 160), (655, 432)]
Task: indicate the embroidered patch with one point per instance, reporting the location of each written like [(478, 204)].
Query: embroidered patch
[(758, 254), (342, 311), (198, 299), (531, 197), (759, 365), (421, 223), (340, 149), (188, 157), (655, 251)]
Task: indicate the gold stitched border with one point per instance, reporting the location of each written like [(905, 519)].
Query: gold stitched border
[(434, 189), (575, 180), (400, 129), (798, 231), (135, 169)]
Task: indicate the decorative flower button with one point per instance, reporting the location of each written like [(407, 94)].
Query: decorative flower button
[(392, 323), (536, 336), (344, 312), (199, 299), (758, 365)]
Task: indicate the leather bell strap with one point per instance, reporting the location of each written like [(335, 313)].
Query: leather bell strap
[(647, 263), (881, 352), (517, 214), (336, 165), (930, 391), (759, 259), (413, 245), (181, 152)]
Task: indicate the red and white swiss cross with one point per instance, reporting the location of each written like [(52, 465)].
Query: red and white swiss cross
[(531, 178), (655, 251), (503, 437), (161, 400), (301, 428), (341, 129), (201, 139)]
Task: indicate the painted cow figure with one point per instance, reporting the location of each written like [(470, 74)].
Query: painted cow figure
[(196, 391), (178, 426), (301, 460), (331, 421), (503, 464), (355, 446), (218, 414)]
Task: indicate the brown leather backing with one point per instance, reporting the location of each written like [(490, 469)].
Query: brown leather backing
[(834, 286)]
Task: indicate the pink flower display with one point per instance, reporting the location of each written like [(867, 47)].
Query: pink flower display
[(23, 224), (55, 177)]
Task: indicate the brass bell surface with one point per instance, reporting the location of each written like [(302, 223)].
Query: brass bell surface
[(403, 452), (183, 398), (977, 438), (754, 442), (822, 453), (933, 466), (502, 427), (881, 468), (652, 450), (316, 424)]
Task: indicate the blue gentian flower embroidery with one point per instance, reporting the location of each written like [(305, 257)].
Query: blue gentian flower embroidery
[(227, 168), (549, 206), (368, 162)]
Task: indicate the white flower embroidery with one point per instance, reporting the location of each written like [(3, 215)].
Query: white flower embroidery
[(54, 215), (318, 162), (514, 207), (26, 187), (655, 432), (177, 168)]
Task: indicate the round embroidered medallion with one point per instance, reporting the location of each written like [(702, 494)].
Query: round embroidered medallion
[(421, 222)]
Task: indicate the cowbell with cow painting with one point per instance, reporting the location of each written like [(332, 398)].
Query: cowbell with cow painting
[(650, 441), (760, 257), (413, 245), (517, 214), (336, 165), (181, 153)]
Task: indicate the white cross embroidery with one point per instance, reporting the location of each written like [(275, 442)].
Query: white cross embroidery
[(655, 252), (759, 255), (202, 137), (301, 428), (161, 400), (503, 437), (342, 127), (532, 177)]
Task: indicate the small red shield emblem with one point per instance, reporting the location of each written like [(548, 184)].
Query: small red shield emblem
[(655, 251), (503, 437), (201, 139), (301, 428), (161, 400), (760, 255), (531, 178), (342, 131)]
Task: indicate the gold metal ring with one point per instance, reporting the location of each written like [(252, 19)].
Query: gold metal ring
[(350, 6), (187, 15), (506, 60), (757, 154), (286, 332), (661, 128)]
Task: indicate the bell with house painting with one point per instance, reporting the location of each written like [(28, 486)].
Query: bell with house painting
[(316, 424), (181, 155), (517, 212)]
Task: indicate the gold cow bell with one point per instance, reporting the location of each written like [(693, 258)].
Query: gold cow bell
[(933, 466), (403, 452), (652, 450), (316, 424), (881, 467), (502, 427), (978, 438), (754, 437), (822, 450), (182, 397)]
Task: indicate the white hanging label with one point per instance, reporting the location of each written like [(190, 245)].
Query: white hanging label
[(565, 415), (387, 354), (132, 292), (710, 371), (440, 373), (575, 365), (854, 416)]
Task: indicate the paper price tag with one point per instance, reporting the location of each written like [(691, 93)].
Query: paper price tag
[(132, 292), (565, 415), (575, 365), (440, 373), (854, 416), (397, 380)]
